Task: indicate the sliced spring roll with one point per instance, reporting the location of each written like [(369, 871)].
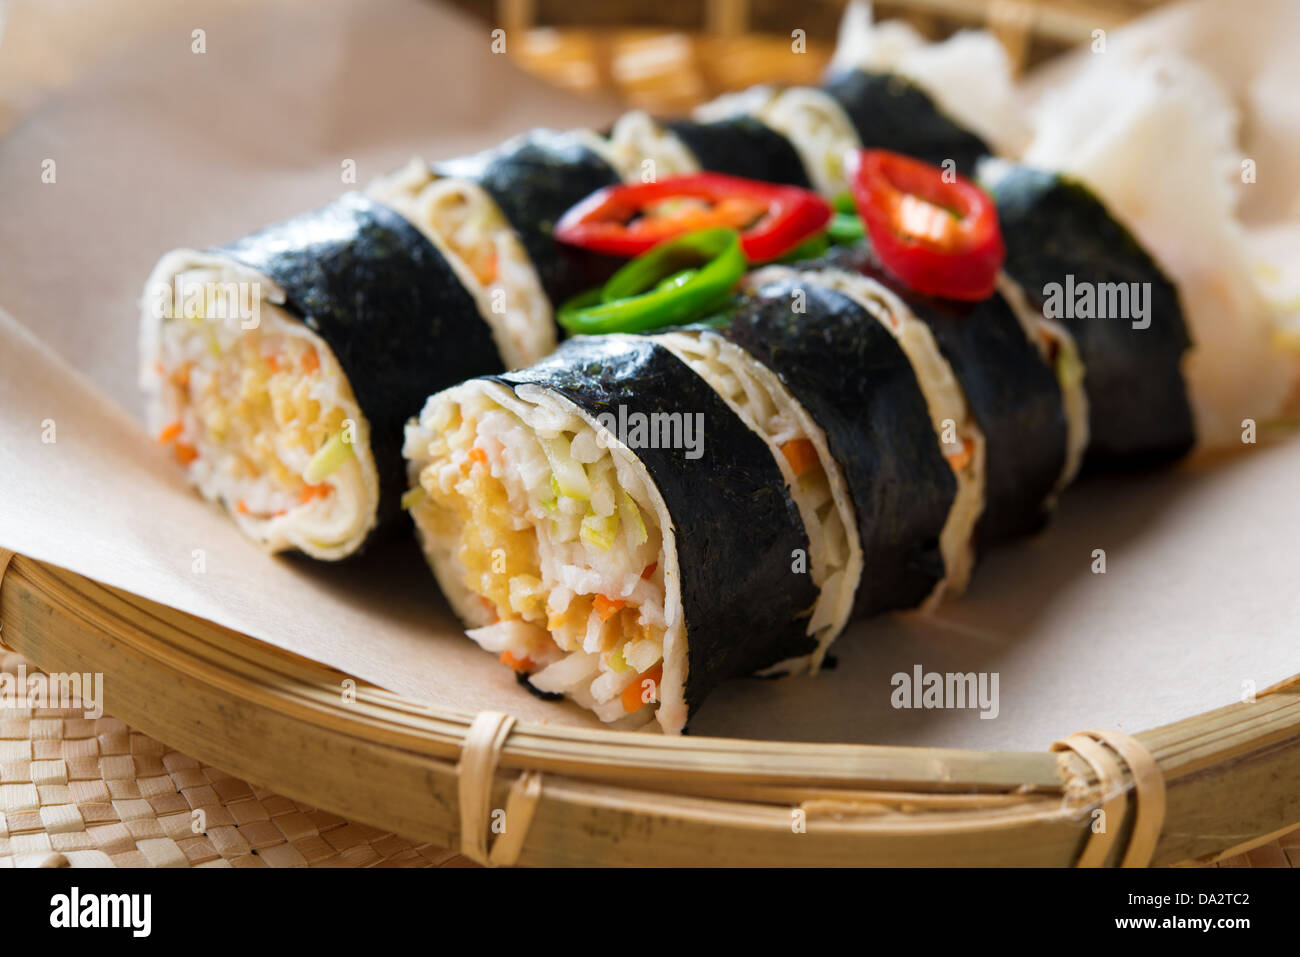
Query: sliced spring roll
[(613, 528), (960, 437), (820, 129), (1013, 393), (857, 383), (1078, 265), (743, 146), (738, 144), (280, 368), (644, 150), (1016, 401), (534, 179), (801, 449), (891, 112), (814, 123), (1061, 354), (471, 232)]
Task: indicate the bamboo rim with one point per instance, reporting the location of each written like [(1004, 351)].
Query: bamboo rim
[(1231, 777)]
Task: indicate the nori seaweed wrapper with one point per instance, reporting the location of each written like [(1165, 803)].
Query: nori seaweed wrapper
[(389, 307), (737, 527), (743, 146), (853, 378), (1138, 408), (535, 179), (891, 112), (1012, 393)]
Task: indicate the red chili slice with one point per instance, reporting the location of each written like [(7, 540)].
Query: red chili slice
[(628, 220), (940, 238)]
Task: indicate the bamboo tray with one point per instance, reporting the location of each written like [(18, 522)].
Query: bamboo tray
[(579, 797)]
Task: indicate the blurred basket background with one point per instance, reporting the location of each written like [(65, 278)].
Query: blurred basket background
[(667, 56)]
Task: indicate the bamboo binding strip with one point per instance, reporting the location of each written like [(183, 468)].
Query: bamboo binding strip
[(477, 772), (1101, 750)]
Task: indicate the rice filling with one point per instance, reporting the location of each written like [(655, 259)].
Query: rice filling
[(546, 535), (258, 412)]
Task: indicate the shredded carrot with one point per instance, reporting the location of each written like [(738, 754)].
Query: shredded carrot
[(486, 270), (649, 570), (241, 507), (1051, 346), (960, 458), (632, 693), (478, 455), (170, 432), (606, 607), (185, 453), (522, 665), (310, 492), (311, 362), (800, 454), (273, 364), (490, 608)]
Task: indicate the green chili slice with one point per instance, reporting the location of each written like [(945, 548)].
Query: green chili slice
[(808, 249), (675, 282), (845, 229)]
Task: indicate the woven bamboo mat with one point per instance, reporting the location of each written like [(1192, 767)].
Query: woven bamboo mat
[(92, 792)]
